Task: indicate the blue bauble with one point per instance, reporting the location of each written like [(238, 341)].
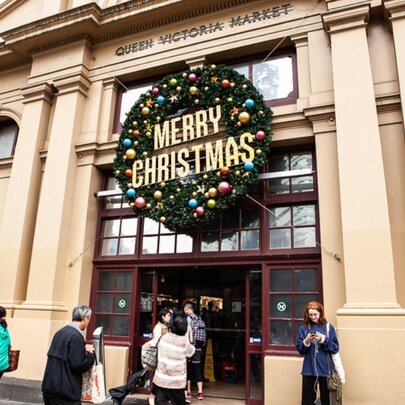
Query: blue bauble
[(249, 166), (161, 99), (249, 103), (192, 203), (127, 143), (131, 192)]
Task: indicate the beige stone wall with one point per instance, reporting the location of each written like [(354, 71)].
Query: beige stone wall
[(350, 69)]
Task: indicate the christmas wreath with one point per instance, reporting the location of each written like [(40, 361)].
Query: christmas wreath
[(184, 202)]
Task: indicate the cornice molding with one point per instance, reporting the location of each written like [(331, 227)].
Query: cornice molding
[(395, 9), (346, 19), (78, 82), (37, 92), (18, 63)]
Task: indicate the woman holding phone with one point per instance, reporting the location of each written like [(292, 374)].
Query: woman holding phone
[(314, 344)]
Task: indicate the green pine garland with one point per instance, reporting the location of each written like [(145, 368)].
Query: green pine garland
[(216, 85)]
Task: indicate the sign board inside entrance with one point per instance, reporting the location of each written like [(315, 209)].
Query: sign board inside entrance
[(192, 145)]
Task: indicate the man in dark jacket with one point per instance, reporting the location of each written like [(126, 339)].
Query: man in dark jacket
[(68, 359)]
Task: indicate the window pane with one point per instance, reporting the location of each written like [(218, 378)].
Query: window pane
[(280, 216), (111, 227), (302, 184), (301, 161), (250, 240), (105, 322), (243, 70), (104, 303), (255, 376), (255, 306), (149, 245), (280, 163), (109, 247), (281, 306), (106, 281), (124, 281), (274, 78), (121, 326), (210, 242), (229, 241), (279, 186), (128, 227), (184, 244), (129, 97), (250, 218), (301, 301), (306, 280), (231, 220), (150, 227), (163, 229), (304, 215), (113, 202), (122, 303), (280, 280), (280, 238), (8, 132), (281, 333), (304, 237), (127, 246), (166, 244)]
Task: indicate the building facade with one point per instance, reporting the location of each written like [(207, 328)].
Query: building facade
[(325, 221)]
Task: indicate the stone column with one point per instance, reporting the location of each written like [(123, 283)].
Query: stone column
[(304, 82), (17, 227), (107, 110), (396, 12), (49, 263), (371, 324)]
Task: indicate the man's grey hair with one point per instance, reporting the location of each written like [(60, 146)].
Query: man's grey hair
[(80, 312)]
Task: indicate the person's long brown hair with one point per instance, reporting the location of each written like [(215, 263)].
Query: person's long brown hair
[(318, 307)]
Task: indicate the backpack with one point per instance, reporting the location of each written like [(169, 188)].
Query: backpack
[(199, 331)]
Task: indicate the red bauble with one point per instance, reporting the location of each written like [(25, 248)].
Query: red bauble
[(225, 171), (136, 133), (128, 172), (225, 83)]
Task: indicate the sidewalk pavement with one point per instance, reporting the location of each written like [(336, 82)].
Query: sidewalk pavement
[(130, 400)]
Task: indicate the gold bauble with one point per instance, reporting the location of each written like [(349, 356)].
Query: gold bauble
[(206, 195), (162, 219), (237, 173), (213, 67), (195, 215), (145, 153), (178, 190), (232, 84), (258, 151), (206, 88), (218, 174), (193, 193), (196, 101), (117, 172), (141, 105), (234, 191), (145, 110), (178, 89), (145, 122), (193, 90), (127, 113), (134, 124), (261, 112), (148, 206), (212, 192), (130, 154), (165, 86), (230, 100), (217, 100), (130, 131), (239, 124), (124, 158), (129, 185), (136, 143), (132, 205), (148, 134), (162, 184), (184, 74), (205, 177), (244, 117), (157, 195), (171, 197), (158, 119), (156, 105), (244, 86)]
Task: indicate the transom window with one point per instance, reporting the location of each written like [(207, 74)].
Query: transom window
[(293, 227), (8, 137), (237, 230), (114, 302), (119, 236), (158, 239), (290, 289)]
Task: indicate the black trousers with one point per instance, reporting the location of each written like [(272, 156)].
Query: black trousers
[(163, 395), (59, 401), (309, 385)]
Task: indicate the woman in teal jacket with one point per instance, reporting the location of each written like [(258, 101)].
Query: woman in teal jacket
[(4, 342)]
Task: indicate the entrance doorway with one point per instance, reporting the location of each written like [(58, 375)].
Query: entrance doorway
[(227, 299)]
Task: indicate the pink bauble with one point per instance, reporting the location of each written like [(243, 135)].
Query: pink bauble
[(199, 211), (140, 202), (260, 135), (224, 187), (155, 91), (192, 77)]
